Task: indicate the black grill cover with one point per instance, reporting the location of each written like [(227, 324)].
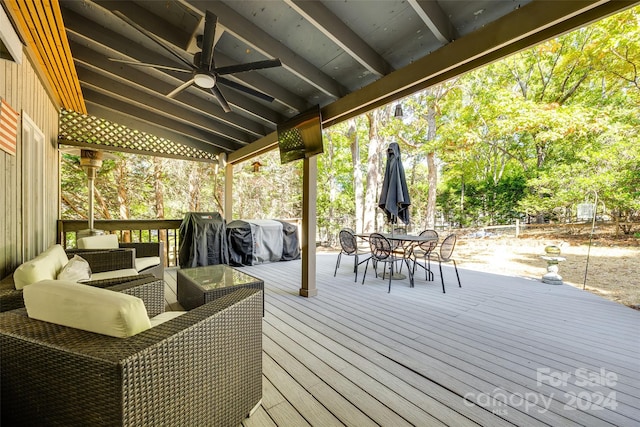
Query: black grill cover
[(291, 244), (202, 240)]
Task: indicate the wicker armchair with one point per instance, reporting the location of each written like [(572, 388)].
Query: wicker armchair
[(149, 255), (149, 249), (203, 368), (99, 261)]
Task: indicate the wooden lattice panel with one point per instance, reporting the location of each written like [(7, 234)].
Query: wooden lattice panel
[(86, 130)]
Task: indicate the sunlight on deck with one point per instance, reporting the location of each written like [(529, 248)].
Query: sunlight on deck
[(498, 351)]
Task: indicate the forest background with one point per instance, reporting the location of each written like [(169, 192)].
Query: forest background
[(529, 138)]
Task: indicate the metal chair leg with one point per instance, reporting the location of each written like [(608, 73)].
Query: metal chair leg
[(390, 277), (355, 267), (365, 270), (441, 276), (409, 272), (457, 275), (337, 264)]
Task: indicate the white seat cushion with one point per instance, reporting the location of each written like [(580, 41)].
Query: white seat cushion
[(105, 241), (114, 274), (86, 307), (165, 317), (146, 262), (45, 266)]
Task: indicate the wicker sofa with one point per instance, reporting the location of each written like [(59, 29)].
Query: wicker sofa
[(203, 368), (112, 261)]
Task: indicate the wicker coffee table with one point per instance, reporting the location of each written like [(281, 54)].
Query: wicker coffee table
[(199, 285)]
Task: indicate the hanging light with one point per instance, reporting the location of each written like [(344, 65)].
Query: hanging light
[(256, 166), (398, 112)]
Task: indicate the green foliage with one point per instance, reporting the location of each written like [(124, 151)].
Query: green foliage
[(530, 136)]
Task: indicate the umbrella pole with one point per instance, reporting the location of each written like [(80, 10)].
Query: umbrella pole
[(396, 274)]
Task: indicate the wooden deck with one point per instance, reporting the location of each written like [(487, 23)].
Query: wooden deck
[(499, 351)]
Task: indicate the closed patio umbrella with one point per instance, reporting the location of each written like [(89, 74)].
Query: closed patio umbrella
[(394, 197)]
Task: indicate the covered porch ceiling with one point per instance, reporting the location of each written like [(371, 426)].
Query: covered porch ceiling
[(348, 56)]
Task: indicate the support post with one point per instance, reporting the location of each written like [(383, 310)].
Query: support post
[(309, 195)]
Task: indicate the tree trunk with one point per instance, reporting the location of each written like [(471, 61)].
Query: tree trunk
[(194, 188), (120, 173), (331, 232), (373, 160), (158, 187), (352, 133), (432, 178), (432, 172), (159, 192)]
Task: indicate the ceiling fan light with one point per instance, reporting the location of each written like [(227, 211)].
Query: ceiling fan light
[(204, 81)]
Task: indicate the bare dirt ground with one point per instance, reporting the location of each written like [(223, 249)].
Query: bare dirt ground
[(613, 270)]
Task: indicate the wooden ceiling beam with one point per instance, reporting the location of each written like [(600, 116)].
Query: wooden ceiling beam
[(91, 77), (244, 30), (112, 45), (338, 32), (435, 19)]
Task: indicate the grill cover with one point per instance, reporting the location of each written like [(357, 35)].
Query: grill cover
[(202, 240), (259, 241)]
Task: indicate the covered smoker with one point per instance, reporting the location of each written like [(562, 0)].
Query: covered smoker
[(202, 240)]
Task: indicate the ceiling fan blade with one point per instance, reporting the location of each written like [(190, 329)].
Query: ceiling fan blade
[(249, 66), (244, 89), (180, 88), (144, 64), (153, 37), (221, 99), (208, 40)]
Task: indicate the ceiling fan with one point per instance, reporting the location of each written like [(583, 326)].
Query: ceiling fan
[(203, 70)]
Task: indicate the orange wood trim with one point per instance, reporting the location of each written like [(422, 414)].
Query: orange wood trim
[(41, 25)]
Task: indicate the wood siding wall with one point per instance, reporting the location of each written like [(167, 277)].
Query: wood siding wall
[(22, 88)]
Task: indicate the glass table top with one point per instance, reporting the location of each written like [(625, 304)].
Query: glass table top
[(217, 276)]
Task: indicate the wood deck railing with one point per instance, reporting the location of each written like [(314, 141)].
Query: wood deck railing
[(136, 230)]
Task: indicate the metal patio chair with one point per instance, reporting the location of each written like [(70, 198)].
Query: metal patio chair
[(382, 251), (349, 247), (446, 252), (422, 252)]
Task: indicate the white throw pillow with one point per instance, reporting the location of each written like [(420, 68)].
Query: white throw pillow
[(76, 270), (45, 266), (86, 307), (105, 241)]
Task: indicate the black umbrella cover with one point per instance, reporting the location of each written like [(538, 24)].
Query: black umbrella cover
[(394, 197)]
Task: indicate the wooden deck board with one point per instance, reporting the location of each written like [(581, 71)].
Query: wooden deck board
[(357, 355)]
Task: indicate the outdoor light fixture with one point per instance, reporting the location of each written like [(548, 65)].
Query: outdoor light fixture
[(256, 166), (398, 112)]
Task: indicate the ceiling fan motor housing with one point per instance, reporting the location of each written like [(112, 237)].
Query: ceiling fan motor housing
[(205, 81)]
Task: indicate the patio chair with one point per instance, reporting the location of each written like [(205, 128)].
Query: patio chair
[(382, 251), (446, 251), (201, 368), (422, 252), (349, 247), (148, 255)]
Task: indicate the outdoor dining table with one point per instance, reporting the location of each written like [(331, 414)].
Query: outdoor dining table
[(407, 242)]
